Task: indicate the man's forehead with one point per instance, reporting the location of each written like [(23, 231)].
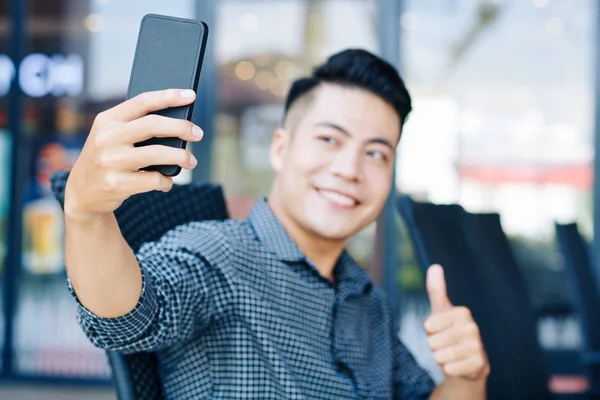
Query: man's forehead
[(355, 107), (346, 105)]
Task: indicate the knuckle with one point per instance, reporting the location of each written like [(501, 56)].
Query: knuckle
[(185, 156), (110, 184), (428, 322), (443, 356), (450, 353), (142, 100), (432, 342), (158, 180), (103, 161), (150, 122), (101, 139), (432, 323), (170, 94), (154, 152), (101, 118), (464, 312), (473, 328), (163, 183), (97, 140), (150, 154), (448, 370), (426, 325), (186, 128), (478, 364), (169, 184), (477, 345)]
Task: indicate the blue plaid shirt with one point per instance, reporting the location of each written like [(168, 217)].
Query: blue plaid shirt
[(235, 310)]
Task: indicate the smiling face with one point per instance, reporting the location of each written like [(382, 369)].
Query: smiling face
[(334, 161)]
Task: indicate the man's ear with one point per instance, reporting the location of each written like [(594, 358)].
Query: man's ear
[(279, 146)]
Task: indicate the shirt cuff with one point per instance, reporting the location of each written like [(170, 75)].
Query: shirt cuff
[(114, 333)]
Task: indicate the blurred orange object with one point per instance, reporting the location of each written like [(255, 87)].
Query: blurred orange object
[(568, 384)]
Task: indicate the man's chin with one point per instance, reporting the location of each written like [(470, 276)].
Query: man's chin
[(333, 233)]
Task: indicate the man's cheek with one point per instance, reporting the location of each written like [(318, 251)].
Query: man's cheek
[(311, 160)]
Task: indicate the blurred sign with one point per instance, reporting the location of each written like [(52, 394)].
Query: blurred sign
[(41, 75), (43, 232), (257, 127), (7, 74)]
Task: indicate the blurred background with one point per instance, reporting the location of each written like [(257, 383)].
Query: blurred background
[(504, 116)]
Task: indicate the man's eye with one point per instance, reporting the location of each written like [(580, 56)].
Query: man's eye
[(328, 139), (378, 155)]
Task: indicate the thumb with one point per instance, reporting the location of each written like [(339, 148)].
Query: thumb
[(436, 289)]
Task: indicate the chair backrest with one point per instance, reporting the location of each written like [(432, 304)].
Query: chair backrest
[(143, 218), (436, 231), (581, 282), (506, 287), (442, 234)]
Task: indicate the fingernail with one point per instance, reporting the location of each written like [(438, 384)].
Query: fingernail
[(187, 94), (197, 132), (193, 161)]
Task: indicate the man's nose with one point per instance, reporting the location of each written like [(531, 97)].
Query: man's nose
[(347, 165)]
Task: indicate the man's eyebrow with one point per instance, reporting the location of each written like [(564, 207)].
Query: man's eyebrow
[(344, 131), (382, 141), (335, 126)]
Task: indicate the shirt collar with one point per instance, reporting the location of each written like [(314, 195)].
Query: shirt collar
[(351, 277), (272, 234), (349, 274)]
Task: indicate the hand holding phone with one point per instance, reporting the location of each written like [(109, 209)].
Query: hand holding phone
[(138, 145), (108, 169)]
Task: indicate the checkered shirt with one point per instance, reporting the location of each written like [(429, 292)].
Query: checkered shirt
[(235, 310)]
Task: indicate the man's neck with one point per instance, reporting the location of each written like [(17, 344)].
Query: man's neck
[(323, 253)]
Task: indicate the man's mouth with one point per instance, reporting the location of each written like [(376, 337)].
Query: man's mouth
[(338, 198)]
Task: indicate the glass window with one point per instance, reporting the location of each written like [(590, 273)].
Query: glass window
[(261, 47), (6, 76), (77, 63), (511, 120)]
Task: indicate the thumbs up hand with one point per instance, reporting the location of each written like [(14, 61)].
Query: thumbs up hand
[(453, 335)]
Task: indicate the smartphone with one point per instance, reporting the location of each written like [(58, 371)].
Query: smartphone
[(168, 55)]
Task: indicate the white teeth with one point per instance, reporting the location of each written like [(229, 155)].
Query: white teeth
[(338, 198)]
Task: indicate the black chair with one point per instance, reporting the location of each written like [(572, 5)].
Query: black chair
[(585, 296), (438, 236), (446, 234), (506, 287), (143, 218)]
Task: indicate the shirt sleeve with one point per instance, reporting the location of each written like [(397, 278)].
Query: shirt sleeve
[(182, 291), (410, 380)]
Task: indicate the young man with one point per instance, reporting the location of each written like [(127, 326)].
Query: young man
[(271, 307)]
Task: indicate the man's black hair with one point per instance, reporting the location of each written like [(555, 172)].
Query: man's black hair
[(357, 68)]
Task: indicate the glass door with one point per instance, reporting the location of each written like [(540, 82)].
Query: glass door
[(77, 63), (6, 76)]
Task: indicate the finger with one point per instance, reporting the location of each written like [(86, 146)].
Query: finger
[(147, 181), (443, 320), (436, 289), (144, 156), (471, 367), (147, 102), (125, 184), (453, 336), (458, 352), (154, 125)]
